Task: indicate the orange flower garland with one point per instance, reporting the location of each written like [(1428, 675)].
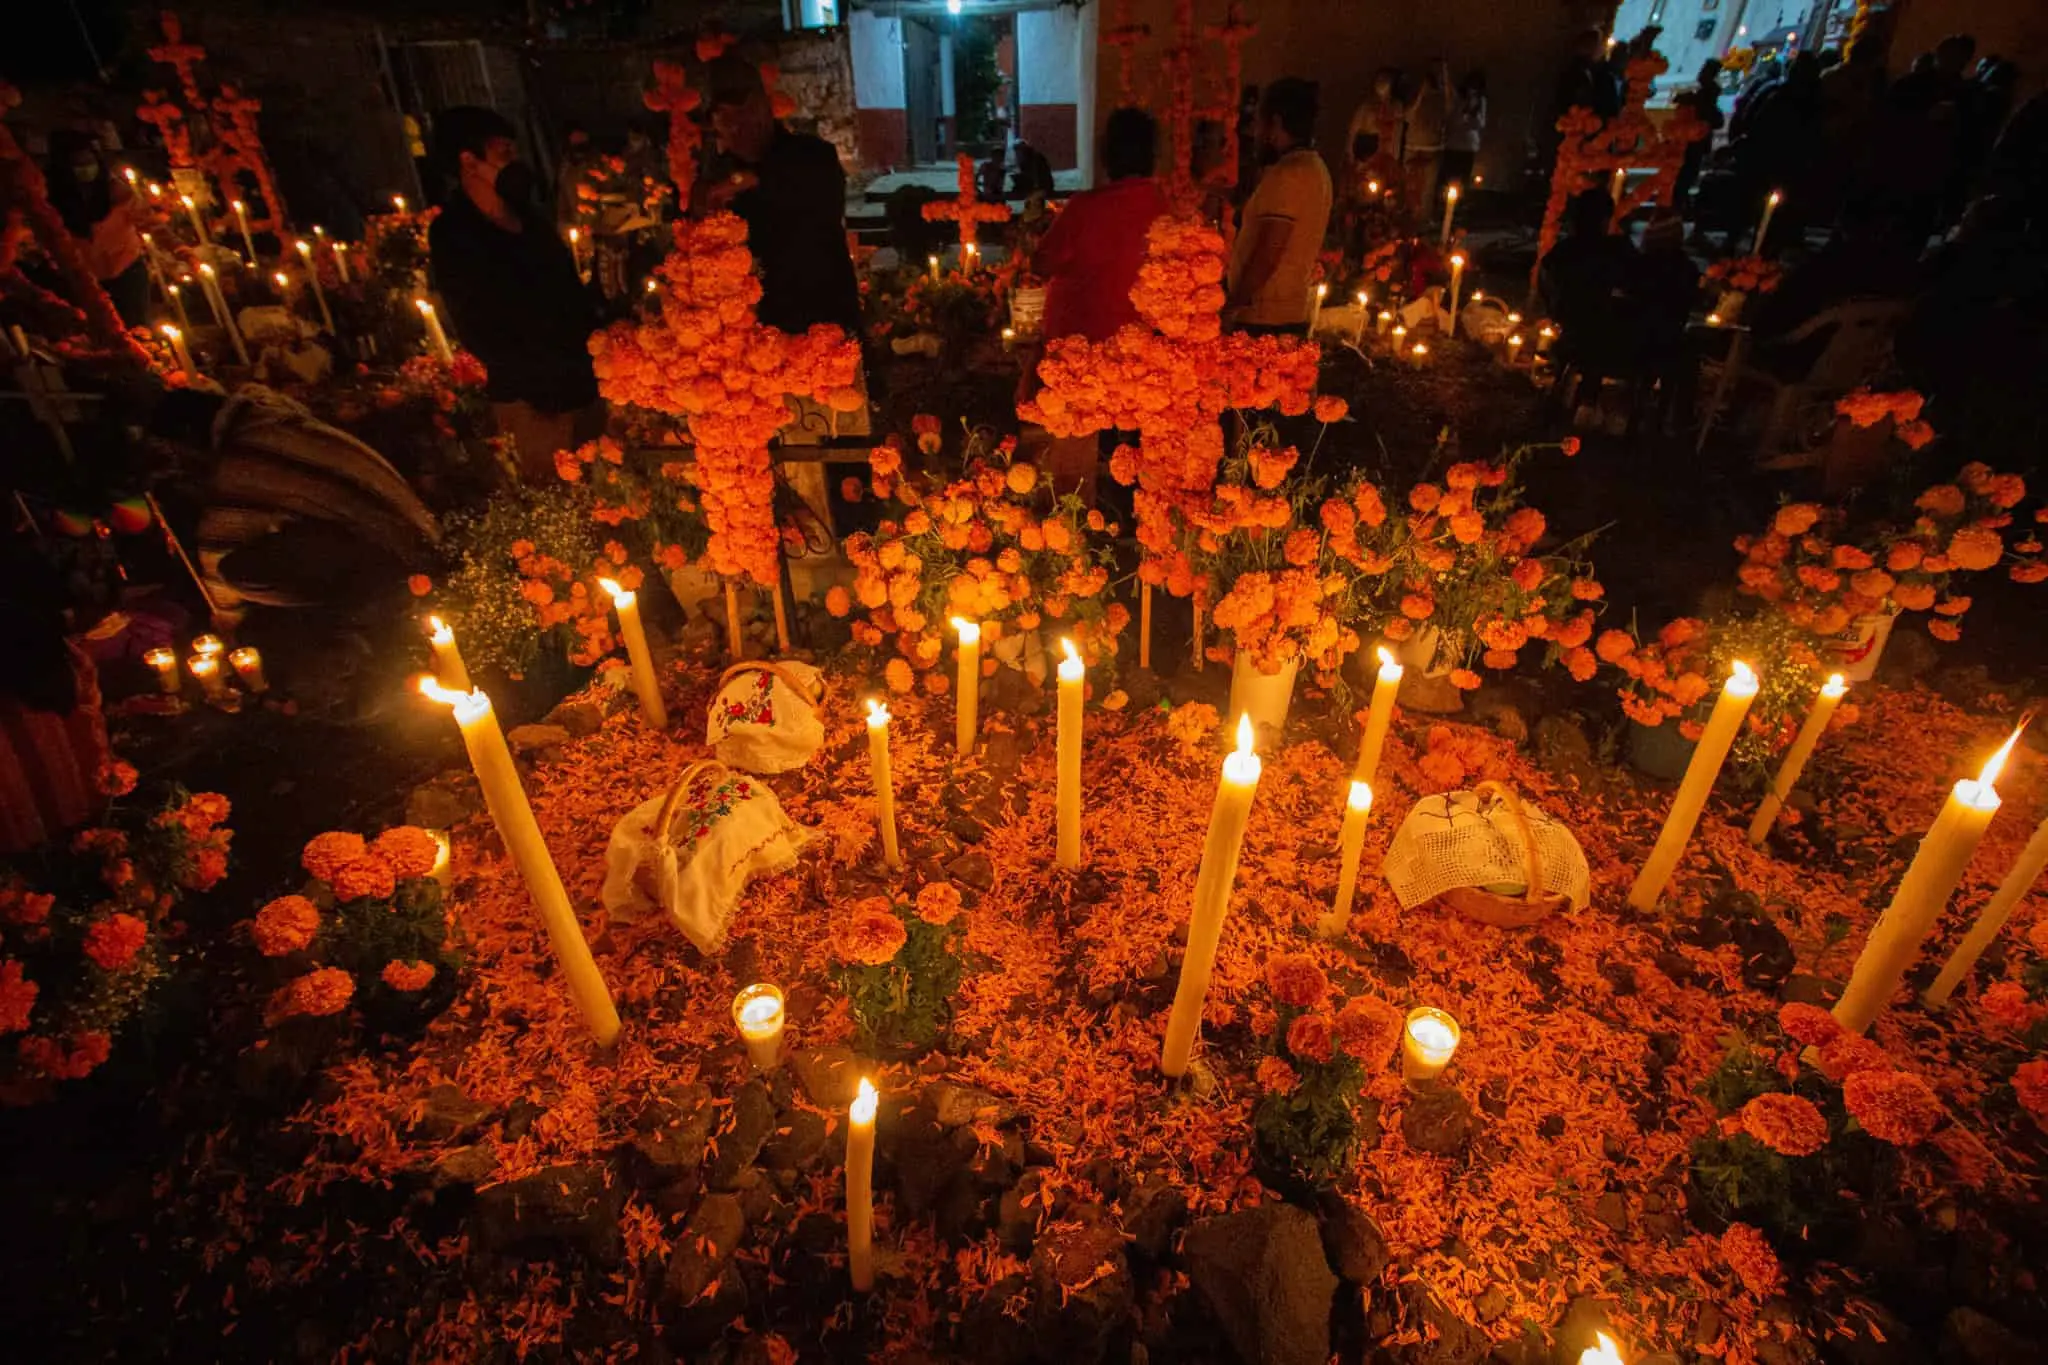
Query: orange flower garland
[(967, 212)]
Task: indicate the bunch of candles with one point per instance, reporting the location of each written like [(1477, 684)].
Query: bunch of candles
[(204, 663)]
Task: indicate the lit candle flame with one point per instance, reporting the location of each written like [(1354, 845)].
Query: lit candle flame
[(878, 712), (398, 202), (1322, 291), (206, 270), (1515, 340), (1068, 646), (303, 247), (970, 631), (862, 1110), (1988, 775), (1835, 687), (236, 204), (1458, 259), (170, 331), (440, 631), (1361, 298), (1433, 1035), (573, 234), (1372, 187), (1450, 194), (1776, 199), (283, 282), (1245, 733), (426, 309), (186, 200), (1741, 677), (620, 596), (1387, 660), (1604, 1353), (1361, 796), (430, 687)]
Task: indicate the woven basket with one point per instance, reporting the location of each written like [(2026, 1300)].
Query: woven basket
[(1509, 912), (804, 691)]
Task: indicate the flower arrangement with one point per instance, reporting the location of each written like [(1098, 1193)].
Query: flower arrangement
[(994, 545), (1746, 274), (706, 359), (1868, 408), (1305, 1123), (645, 493), (82, 958), (369, 929), (524, 573), (955, 307), (900, 964), (966, 212), (1823, 572)]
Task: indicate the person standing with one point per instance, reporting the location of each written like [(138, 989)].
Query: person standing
[(1422, 136), (1091, 254), (1464, 129), (1282, 230), (513, 292), (792, 192), (1704, 99), (101, 212)]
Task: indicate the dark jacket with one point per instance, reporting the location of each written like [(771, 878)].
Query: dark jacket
[(796, 228), (518, 305)]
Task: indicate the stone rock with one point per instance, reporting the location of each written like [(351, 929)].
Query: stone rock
[(444, 803), (579, 717), (470, 1165), (1583, 1318), (1262, 1273), (999, 1337), (1738, 917), (1564, 750), (927, 1159), (450, 1115), (753, 1123), (705, 1245), (1431, 696), (1017, 1220), (559, 1209), (1082, 1291), (1152, 1212), (1969, 1337), (1447, 1338), (1352, 1241), (1611, 1209), (956, 1106), (972, 869), (797, 1144), (1871, 1334), (829, 1075), (1440, 1122), (519, 1118), (537, 740), (672, 1129)]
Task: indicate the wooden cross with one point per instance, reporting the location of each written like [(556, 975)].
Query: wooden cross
[(968, 211), (181, 56), (673, 95)]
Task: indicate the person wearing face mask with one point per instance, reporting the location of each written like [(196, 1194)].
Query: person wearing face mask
[(1372, 147), (1284, 220), (101, 212), (792, 192), (513, 292)]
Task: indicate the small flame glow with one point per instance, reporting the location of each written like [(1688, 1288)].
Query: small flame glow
[(1068, 646), (1458, 259), (1604, 1353), (282, 281), (303, 247), (970, 631), (1245, 733), (1994, 765), (1361, 796), (1741, 676), (1776, 199), (168, 330), (1387, 661), (1835, 687), (430, 687), (426, 309), (862, 1110), (619, 594), (236, 204), (878, 712), (206, 270), (1450, 194)]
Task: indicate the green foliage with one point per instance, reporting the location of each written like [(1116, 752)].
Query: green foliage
[(363, 936), (1308, 1135), (1744, 1073), (1738, 1179), (976, 79), (907, 1003), (481, 594)]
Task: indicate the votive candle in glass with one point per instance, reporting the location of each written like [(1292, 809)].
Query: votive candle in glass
[(1428, 1040), (758, 1012)]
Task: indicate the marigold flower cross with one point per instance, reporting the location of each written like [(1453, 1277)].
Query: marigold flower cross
[(968, 210)]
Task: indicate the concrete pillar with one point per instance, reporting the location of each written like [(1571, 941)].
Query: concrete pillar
[(875, 43), (1049, 83)]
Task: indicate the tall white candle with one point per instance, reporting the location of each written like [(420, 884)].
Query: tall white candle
[(242, 222), (179, 354), (1069, 758), (1379, 715), (198, 223), (177, 298), (341, 262), (645, 685), (220, 309), (434, 332), (1763, 226), (1213, 884), (1364, 312), (967, 715), (860, 1187), (1922, 895), (449, 670), (2018, 881), (1824, 704), (1450, 210), (1457, 278), (884, 779), (305, 250), (1350, 846), (1722, 728)]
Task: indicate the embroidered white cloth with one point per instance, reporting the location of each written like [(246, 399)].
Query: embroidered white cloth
[(759, 723), (1471, 839)]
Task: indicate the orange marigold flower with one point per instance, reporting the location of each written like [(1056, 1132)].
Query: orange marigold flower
[(368, 877), (1795, 518), (938, 903), (897, 674), (113, 942), (1275, 1075), (1464, 679), (286, 925), (1330, 408), (1849, 1054), (1914, 596), (407, 976), (1975, 549), (1022, 477), (420, 584), (327, 853), (837, 600), (2029, 1081), (1942, 500), (1311, 1038), (1787, 1124), (411, 851), (1946, 631), (1424, 497), (2029, 573), (1417, 607), (1581, 664), (321, 992), (1892, 1106), (1367, 1029), (869, 933), (1614, 645), (2006, 1006), (1752, 1260), (1809, 1025), (17, 997), (1296, 980)]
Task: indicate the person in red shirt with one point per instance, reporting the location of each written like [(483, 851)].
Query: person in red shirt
[(1089, 257)]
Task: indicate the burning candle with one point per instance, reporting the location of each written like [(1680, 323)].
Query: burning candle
[(439, 337), (1069, 757), (1824, 704), (208, 644), (1397, 339), (1009, 337), (1315, 311), (968, 714), (1923, 893), (1213, 883), (1707, 757), (398, 203), (1144, 624), (932, 266), (206, 668), (1379, 715), (305, 250), (1450, 210), (1358, 338), (248, 666), (1546, 337), (645, 687), (198, 223), (1620, 184), (165, 662), (179, 354), (884, 779), (449, 670), (1514, 349), (1383, 322), (156, 274), (1763, 226), (1418, 354), (513, 817), (759, 1015), (443, 870), (1457, 278), (156, 191), (128, 174), (860, 1187), (284, 287), (219, 303), (242, 222), (1603, 1351), (1428, 1041), (177, 298), (2018, 881), (1350, 845), (341, 262)]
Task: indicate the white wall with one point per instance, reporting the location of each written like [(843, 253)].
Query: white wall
[(1049, 56), (877, 44)]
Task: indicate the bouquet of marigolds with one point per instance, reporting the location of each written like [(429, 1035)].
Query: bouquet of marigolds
[(1464, 565), (900, 964), (1305, 1124), (1901, 407), (369, 929), (994, 545), (648, 494), (954, 307), (1746, 274), (82, 951), (1822, 572)]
